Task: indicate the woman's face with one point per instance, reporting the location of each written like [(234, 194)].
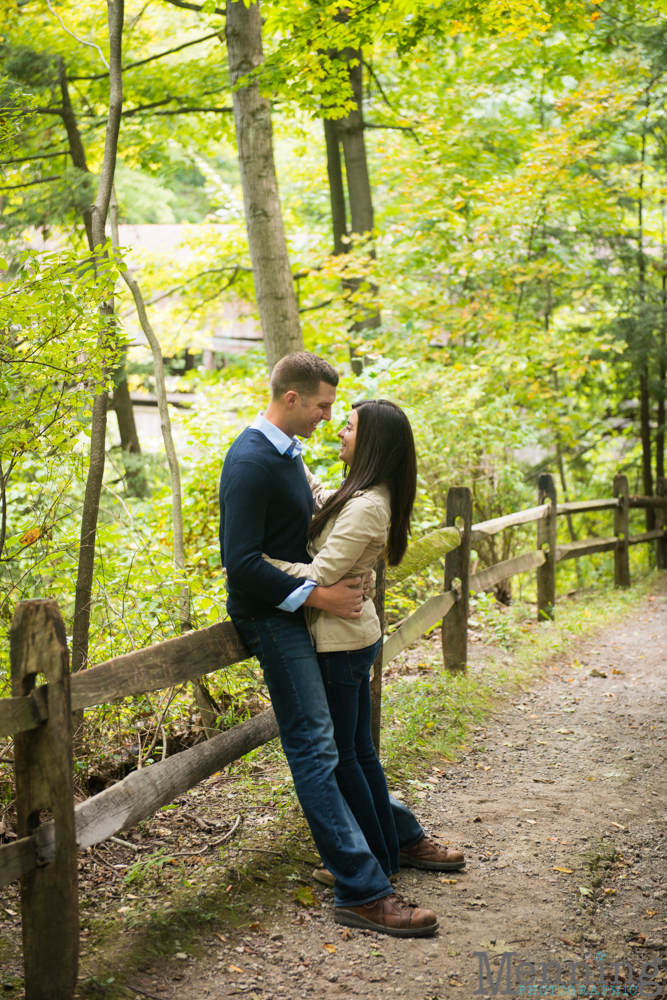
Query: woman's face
[(348, 438)]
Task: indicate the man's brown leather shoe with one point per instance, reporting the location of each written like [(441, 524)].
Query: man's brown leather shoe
[(432, 857), (389, 915)]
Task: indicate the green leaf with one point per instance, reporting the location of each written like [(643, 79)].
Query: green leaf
[(422, 553), (304, 895)]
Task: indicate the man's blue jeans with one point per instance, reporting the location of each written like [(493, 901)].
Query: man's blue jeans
[(284, 649)]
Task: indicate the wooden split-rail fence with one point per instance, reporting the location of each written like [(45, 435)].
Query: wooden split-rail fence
[(51, 829)]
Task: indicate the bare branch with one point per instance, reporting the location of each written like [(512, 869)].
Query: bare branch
[(193, 6), (320, 305), (159, 55), (29, 159), (27, 184), (379, 85), (82, 41), (186, 111)]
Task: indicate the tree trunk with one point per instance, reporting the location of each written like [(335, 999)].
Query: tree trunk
[(76, 149), (336, 189), (129, 440), (644, 345), (274, 285), (91, 503), (122, 404), (351, 131), (662, 368), (645, 421), (165, 423)]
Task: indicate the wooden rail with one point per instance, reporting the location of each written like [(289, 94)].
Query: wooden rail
[(44, 855)]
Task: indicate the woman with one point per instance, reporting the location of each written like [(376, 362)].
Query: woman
[(369, 514)]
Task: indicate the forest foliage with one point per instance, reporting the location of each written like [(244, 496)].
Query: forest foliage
[(511, 292)]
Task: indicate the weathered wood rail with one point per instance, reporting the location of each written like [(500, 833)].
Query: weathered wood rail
[(51, 829)]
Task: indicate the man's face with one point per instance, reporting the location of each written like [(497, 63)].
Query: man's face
[(307, 412)]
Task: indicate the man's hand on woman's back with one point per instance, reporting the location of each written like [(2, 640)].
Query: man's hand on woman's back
[(344, 599)]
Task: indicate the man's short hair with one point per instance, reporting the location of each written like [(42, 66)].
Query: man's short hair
[(302, 372)]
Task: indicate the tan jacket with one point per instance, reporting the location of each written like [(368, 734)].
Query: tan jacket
[(348, 546)]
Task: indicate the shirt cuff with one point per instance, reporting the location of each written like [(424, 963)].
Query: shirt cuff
[(297, 597)]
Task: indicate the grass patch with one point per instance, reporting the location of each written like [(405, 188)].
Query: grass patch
[(434, 713)]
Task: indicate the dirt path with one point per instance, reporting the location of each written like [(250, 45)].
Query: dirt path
[(561, 807), (563, 792)]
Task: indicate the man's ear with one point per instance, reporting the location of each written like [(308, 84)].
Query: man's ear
[(291, 397)]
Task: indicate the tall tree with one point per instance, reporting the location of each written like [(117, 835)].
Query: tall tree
[(99, 213), (274, 285), (122, 402), (349, 131)]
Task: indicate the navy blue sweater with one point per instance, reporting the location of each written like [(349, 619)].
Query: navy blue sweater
[(265, 506)]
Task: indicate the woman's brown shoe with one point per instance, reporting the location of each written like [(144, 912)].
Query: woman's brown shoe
[(432, 857), (390, 915)]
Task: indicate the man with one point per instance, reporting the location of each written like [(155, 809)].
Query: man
[(266, 505)]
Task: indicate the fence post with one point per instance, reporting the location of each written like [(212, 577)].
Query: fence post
[(376, 678), (622, 532), (457, 568), (661, 522), (547, 530), (43, 767)]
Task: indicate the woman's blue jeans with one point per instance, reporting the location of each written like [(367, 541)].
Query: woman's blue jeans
[(346, 676)]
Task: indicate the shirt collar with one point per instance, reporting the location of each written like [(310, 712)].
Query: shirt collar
[(283, 444)]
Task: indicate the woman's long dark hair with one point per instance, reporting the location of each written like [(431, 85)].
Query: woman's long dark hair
[(384, 453)]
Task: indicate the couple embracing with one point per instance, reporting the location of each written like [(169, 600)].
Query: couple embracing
[(299, 561)]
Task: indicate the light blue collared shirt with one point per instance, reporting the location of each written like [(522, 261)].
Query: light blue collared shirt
[(285, 445)]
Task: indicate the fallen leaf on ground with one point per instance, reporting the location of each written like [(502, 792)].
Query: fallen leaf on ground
[(597, 673), (477, 819), (565, 731), (571, 944), (255, 926), (543, 781), (234, 968), (566, 871), (346, 934), (330, 947), (304, 895), (615, 671), (447, 881)]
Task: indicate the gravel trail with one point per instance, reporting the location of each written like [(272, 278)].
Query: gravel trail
[(562, 792)]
